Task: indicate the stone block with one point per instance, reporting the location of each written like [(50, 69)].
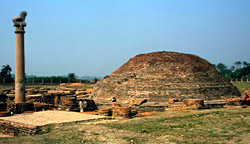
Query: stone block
[(80, 92), (173, 100), (121, 112), (193, 102), (68, 92), (137, 101), (91, 106), (115, 104), (3, 97), (134, 112), (235, 102), (4, 113), (88, 91), (17, 129), (105, 112), (3, 106), (55, 91), (21, 107), (41, 106)]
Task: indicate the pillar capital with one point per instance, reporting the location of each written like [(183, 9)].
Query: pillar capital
[(19, 22), (19, 30)]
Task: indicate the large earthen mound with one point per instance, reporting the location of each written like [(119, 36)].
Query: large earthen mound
[(159, 76)]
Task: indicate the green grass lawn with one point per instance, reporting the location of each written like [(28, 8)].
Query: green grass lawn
[(242, 86), (187, 126), (209, 126)]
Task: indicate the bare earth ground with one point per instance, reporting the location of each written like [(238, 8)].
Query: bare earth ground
[(225, 125)]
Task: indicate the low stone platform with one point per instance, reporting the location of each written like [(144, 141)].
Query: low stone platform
[(32, 123), (220, 103)]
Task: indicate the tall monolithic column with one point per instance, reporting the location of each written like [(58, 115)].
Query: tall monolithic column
[(19, 23)]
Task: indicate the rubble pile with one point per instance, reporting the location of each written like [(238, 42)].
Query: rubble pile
[(39, 99), (235, 102), (186, 104), (105, 112)]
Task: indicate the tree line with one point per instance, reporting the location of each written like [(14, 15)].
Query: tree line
[(7, 77), (238, 71)]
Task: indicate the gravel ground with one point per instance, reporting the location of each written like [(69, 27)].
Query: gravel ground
[(51, 117)]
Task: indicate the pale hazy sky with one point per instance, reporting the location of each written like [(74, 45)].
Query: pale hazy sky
[(95, 37)]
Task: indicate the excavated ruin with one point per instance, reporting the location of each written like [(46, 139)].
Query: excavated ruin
[(159, 76)]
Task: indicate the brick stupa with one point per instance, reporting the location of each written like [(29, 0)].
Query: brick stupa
[(159, 76)]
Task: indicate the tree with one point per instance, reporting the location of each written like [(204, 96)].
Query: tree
[(6, 73), (221, 67), (245, 64), (241, 73), (235, 72), (238, 64), (232, 68), (72, 76), (96, 80)]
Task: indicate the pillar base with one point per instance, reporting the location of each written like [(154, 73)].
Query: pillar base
[(22, 107)]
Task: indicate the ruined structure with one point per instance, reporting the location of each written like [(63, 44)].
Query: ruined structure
[(19, 23), (159, 76)]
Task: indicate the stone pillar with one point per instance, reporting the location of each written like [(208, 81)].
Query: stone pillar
[(42, 81), (19, 23)]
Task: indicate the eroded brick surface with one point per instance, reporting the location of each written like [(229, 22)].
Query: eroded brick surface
[(162, 75)]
